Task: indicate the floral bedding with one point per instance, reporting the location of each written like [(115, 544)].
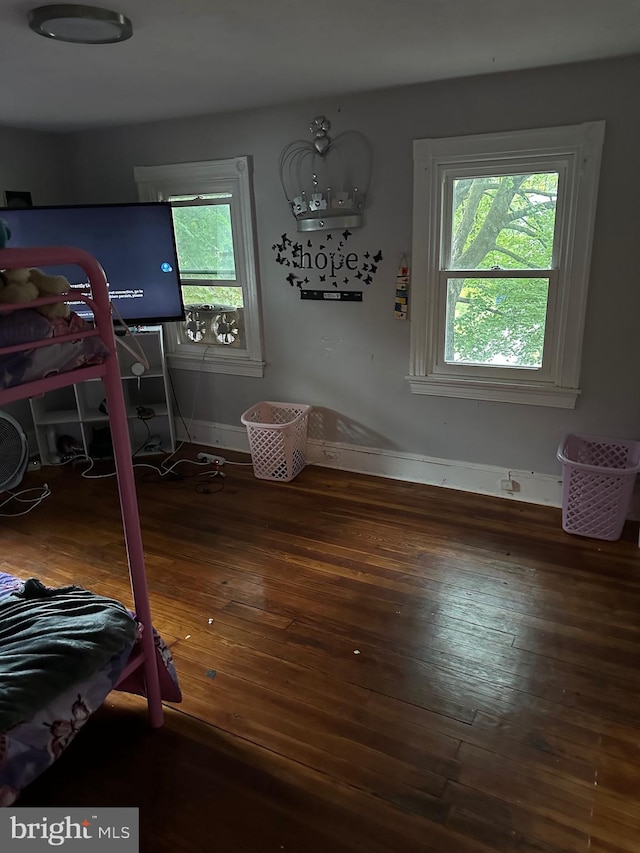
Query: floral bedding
[(28, 748), (25, 325)]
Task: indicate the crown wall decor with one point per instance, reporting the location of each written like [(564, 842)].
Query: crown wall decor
[(326, 180)]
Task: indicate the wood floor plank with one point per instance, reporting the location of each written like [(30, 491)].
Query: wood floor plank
[(616, 818), (511, 826), (317, 741), (484, 674), (366, 665), (580, 646), (537, 746), (550, 793)]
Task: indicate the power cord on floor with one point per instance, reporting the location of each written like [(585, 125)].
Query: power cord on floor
[(205, 489), (163, 473), (213, 471), (45, 491)]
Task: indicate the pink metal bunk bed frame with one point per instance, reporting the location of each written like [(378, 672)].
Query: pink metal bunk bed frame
[(144, 655)]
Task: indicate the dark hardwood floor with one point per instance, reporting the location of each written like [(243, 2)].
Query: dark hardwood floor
[(367, 665)]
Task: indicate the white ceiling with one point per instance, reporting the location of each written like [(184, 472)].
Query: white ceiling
[(189, 57)]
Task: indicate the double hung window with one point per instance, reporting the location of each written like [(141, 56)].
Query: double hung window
[(502, 238), (214, 228)]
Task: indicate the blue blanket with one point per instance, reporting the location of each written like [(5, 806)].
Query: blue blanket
[(51, 639)]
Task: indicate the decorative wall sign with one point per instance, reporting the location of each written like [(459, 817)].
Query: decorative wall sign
[(401, 308), (333, 295), (325, 260)]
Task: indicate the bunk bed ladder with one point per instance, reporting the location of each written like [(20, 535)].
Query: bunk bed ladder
[(109, 371), (132, 533)]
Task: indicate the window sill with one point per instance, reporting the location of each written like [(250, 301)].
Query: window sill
[(211, 363), (497, 392)]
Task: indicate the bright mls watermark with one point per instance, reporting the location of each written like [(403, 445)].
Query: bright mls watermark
[(82, 830)]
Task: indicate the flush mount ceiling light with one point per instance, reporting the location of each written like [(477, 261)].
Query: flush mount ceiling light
[(80, 24)]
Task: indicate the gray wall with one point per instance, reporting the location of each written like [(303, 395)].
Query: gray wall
[(351, 359), (37, 162), (34, 161)]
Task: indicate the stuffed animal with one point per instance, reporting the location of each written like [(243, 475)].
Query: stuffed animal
[(24, 285)]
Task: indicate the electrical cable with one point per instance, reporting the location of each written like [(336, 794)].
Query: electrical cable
[(45, 491), (187, 427), (135, 350), (203, 488), (146, 440), (161, 472), (85, 474)]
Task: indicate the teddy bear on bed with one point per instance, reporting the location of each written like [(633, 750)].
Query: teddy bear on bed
[(24, 285)]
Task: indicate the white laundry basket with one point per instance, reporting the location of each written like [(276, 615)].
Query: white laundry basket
[(598, 477), (278, 439)]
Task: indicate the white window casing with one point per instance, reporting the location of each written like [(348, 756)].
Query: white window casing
[(233, 176), (573, 152)]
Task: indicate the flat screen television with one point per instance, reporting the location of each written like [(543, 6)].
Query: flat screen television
[(134, 243)]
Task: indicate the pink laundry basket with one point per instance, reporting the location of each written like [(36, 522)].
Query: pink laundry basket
[(278, 439), (598, 479)]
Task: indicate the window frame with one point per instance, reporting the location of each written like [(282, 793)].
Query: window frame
[(575, 152), (233, 175)]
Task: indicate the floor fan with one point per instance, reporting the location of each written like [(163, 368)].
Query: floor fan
[(14, 453)]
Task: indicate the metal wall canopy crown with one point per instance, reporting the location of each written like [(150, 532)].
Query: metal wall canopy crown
[(326, 180)]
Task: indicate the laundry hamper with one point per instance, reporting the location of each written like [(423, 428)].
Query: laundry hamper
[(598, 479), (278, 439)]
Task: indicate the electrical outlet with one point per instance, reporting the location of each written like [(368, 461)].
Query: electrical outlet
[(211, 458)]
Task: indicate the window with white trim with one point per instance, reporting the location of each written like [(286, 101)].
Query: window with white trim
[(502, 235), (214, 227)]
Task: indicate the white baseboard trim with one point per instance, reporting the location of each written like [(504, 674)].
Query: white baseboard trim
[(529, 487), (222, 436), (411, 467)]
